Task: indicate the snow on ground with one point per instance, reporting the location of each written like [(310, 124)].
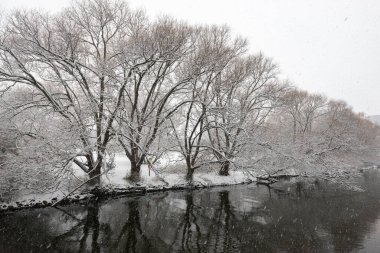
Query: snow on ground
[(24, 196), (210, 179), (118, 177)]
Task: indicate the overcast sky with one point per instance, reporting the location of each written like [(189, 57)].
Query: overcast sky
[(326, 46)]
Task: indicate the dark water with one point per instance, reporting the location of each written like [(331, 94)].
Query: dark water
[(244, 218)]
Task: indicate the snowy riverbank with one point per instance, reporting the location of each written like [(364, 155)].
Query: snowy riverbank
[(150, 185), (115, 183)]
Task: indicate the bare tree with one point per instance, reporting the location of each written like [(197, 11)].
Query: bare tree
[(244, 95), (78, 63), (304, 109), (341, 128), (151, 98), (37, 156), (215, 50)]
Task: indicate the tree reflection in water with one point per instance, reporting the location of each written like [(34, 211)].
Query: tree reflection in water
[(91, 229), (132, 232), (85, 235), (233, 219)]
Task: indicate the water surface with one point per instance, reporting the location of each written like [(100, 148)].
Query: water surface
[(245, 218)]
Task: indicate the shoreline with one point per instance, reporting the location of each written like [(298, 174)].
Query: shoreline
[(109, 191), (100, 193)]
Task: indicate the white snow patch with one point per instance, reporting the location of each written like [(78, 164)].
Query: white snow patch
[(117, 177), (235, 177)]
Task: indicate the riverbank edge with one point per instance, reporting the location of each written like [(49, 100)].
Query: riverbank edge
[(107, 192), (101, 193)]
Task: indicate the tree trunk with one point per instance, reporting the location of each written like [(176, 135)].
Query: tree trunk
[(135, 171), (190, 169), (224, 170), (94, 174), (189, 175)]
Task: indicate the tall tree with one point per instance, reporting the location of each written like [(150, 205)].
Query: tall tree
[(152, 96), (214, 51), (78, 63), (245, 93)]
